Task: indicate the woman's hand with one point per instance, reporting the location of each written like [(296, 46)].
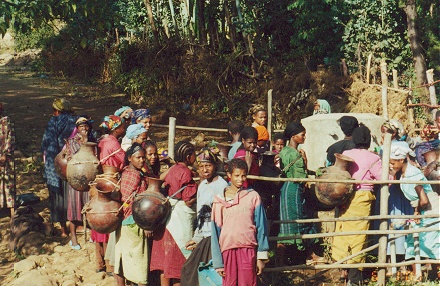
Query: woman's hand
[(248, 158), (190, 245), (190, 202), (148, 233), (221, 272), (304, 156)]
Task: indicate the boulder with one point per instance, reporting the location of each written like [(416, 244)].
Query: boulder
[(24, 266)]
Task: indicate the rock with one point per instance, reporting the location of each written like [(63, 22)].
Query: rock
[(68, 283), (59, 249), (24, 266), (34, 278)]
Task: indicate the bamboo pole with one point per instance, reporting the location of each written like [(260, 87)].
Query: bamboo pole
[(384, 195), (354, 265), (369, 67), (392, 88), (334, 219), (358, 232), (384, 77), (432, 96), (312, 180), (417, 255), (171, 136), (395, 79), (269, 117), (191, 128)]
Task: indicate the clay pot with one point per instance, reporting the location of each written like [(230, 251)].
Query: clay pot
[(83, 167), (432, 173), (334, 194), (224, 150), (107, 183), (151, 209), (60, 163), (103, 214)]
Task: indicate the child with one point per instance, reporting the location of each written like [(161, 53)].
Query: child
[(131, 248), (278, 142), (169, 252), (152, 164), (200, 244), (259, 115), (234, 129), (245, 152), (263, 140), (239, 239)]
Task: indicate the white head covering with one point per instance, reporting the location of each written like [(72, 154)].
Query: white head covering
[(400, 152)]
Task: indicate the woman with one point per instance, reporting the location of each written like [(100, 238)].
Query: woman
[(131, 248), (424, 201), (7, 168), (200, 244), (135, 133), (58, 129), (152, 164), (366, 166), (75, 199), (321, 106), (169, 252), (294, 165), (142, 116), (112, 159)]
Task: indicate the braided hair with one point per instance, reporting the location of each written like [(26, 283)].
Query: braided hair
[(182, 150), (135, 147)]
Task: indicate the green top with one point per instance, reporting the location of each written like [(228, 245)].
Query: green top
[(298, 169)]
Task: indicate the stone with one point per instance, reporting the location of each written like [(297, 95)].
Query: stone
[(34, 278), (24, 266)]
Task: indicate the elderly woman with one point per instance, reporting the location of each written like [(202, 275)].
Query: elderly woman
[(58, 129), (424, 201), (366, 166), (7, 170), (135, 133), (142, 116), (75, 199)]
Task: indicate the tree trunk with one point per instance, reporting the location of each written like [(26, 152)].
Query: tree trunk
[(152, 24), (201, 21), (416, 46), (231, 27)]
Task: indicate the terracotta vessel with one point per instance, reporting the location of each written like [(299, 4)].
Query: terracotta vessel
[(151, 209), (83, 167), (334, 194), (103, 214), (60, 163), (107, 183), (224, 150), (432, 173)]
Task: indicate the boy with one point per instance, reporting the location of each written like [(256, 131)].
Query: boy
[(234, 129), (239, 240)]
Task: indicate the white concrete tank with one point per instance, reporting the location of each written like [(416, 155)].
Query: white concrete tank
[(322, 130)]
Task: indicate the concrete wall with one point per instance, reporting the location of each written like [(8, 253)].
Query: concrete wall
[(322, 130)]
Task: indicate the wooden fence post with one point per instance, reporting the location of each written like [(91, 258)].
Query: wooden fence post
[(395, 79), (369, 67), (384, 77), (432, 97), (384, 194), (171, 136), (269, 117)]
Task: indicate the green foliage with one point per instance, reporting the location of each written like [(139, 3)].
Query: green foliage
[(378, 28), (35, 38)]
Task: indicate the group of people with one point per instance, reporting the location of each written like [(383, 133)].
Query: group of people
[(225, 218)]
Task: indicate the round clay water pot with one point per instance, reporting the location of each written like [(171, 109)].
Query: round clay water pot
[(60, 163), (151, 209), (83, 167), (334, 194), (432, 173), (103, 214)]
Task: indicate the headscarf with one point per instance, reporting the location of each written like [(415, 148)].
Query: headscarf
[(348, 124), (396, 127), (324, 107), (83, 120), (207, 154), (111, 122), (140, 114), (62, 105), (134, 130), (400, 152), (262, 132), (292, 129), (362, 136), (124, 112)]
